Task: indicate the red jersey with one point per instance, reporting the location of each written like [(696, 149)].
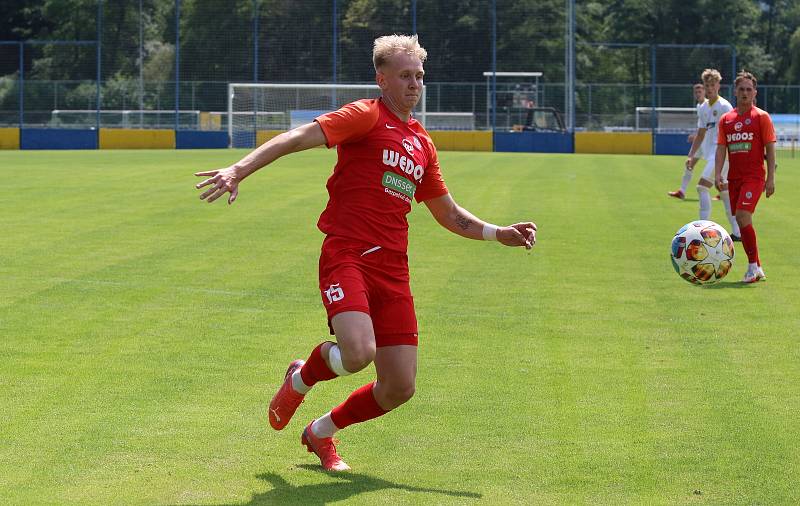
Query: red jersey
[(382, 164), (745, 136)]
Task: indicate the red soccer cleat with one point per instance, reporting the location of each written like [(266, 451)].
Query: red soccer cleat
[(716, 197), (285, 402), (325, 449), (677, 194)]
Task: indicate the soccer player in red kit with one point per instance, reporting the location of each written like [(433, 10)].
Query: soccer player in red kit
[(385, 159), (746, 134)]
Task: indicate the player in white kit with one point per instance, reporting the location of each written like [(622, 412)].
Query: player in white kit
[(708, 116), (699, 92)]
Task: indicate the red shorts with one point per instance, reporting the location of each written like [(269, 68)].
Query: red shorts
[(358, 276), (745, 194)]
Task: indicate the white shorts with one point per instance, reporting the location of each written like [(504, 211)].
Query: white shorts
[(708, 170), (699, 153)]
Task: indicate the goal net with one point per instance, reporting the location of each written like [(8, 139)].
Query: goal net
[(254, 107), (667, 119), (124, 118), (449, 121)]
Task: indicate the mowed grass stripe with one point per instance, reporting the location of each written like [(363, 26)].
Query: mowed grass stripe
[(107, 276), (706, 349), (583, 372)]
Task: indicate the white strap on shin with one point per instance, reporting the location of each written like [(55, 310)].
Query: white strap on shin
[(705, 202), (335, 359)]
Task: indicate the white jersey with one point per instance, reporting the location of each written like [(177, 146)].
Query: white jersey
[(699, 152), (708, 116)]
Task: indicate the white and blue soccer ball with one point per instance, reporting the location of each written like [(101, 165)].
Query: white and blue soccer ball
[(702, 252)]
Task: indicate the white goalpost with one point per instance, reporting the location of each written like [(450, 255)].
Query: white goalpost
[(254, 107), (667, 119)]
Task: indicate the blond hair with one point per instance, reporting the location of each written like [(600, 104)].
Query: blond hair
[(390, 45), (711, 75), (745, 75)]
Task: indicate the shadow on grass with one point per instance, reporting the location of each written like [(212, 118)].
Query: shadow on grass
[(349, 485), (729, 284)]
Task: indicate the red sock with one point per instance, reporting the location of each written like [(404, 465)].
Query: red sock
[(315, 368), (750, 244), (359, 407)]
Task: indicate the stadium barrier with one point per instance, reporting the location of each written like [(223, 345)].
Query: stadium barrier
[(127, 138), (197, 139), (57, 138), (534, 142), (9, 138), (620, 143), (453, 140), (263, 136), (445, 140), (672, 144)]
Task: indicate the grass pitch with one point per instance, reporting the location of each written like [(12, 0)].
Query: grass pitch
[(143, 332)]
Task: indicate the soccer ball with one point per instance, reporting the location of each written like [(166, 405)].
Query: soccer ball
[(702, 252)]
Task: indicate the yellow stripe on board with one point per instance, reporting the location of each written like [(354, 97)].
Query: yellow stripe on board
[(125, 138), (9, 138), (263, 136), (446, 140), (622, 143)]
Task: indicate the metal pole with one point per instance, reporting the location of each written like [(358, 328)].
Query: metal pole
[(335, 38), (21, 85), (230, 115), (177, 60), (488, 102), (141, 64), (99, 60), (653, 97), (567, 77), (571, 65), (335, 44), (414, 17), (255, 41), (494, 69)]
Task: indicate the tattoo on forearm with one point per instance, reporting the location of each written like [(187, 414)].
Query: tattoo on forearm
[(463, 222)]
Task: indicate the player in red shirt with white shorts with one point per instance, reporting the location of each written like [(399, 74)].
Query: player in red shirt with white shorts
[(385, 159), (746, 134)]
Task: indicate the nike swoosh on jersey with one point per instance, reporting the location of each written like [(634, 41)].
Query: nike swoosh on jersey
[(390, 127)]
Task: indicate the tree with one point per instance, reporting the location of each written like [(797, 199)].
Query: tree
[(793, 69)]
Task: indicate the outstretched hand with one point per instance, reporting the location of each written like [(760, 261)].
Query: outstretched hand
[(518, 234), (223, 181)]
